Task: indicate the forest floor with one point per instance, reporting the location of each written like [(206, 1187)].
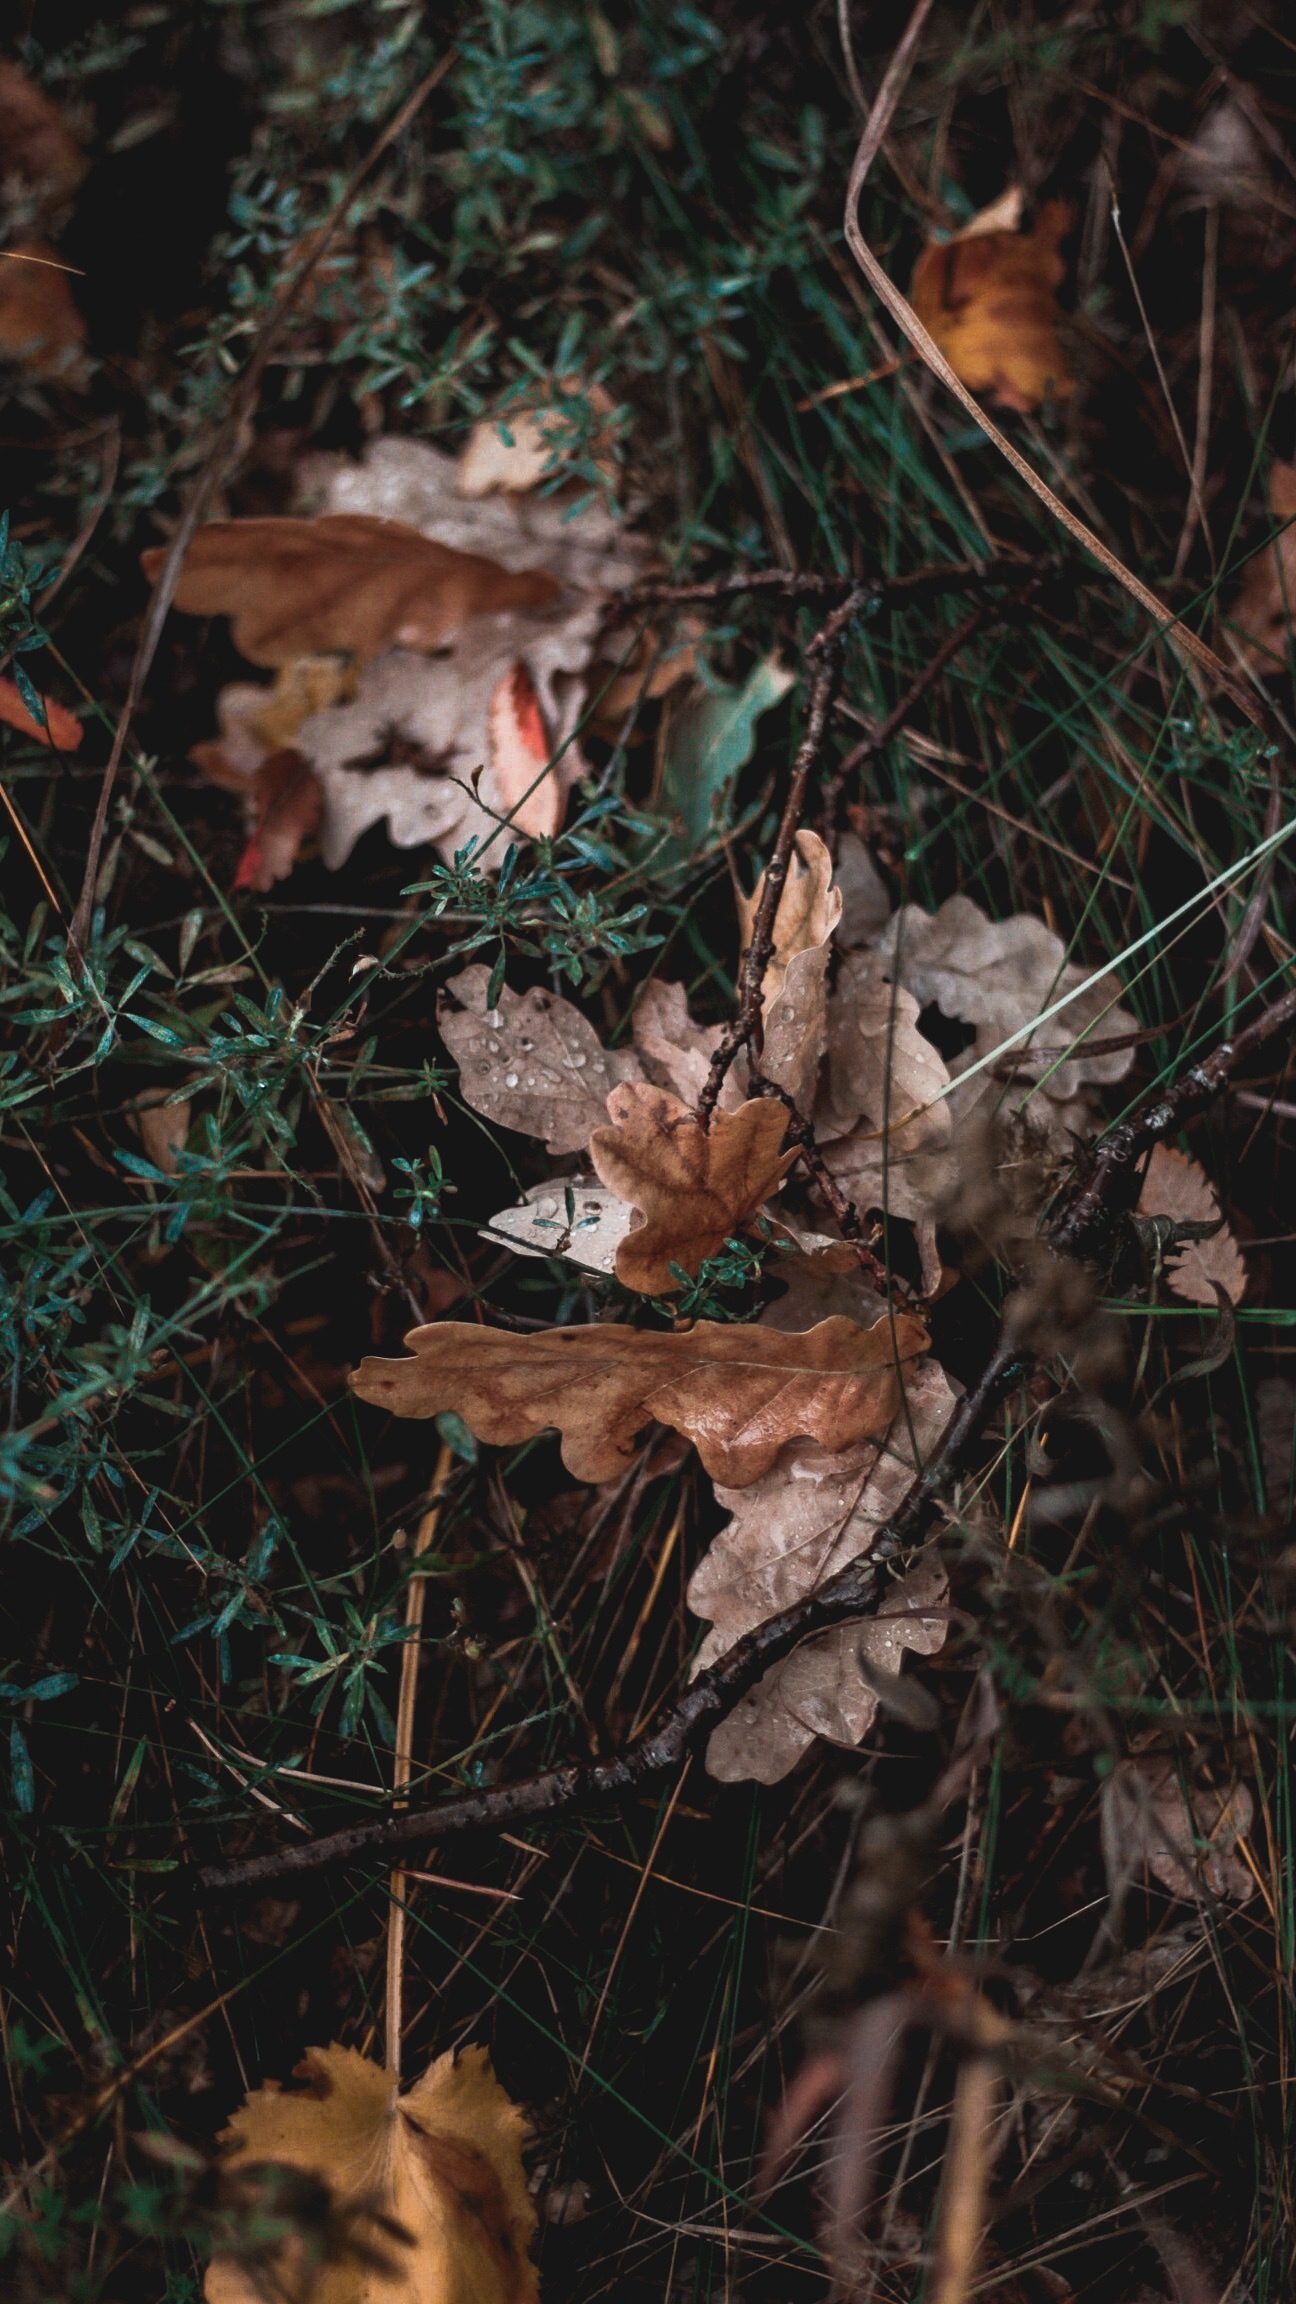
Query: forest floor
[(385, 947)]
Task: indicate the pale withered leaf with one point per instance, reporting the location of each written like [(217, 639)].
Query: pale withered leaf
[(1176, 1186)]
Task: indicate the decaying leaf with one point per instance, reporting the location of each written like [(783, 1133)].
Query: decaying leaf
[(256, 721), (1226, 160), (1176, 1186), (346, 584), (442, 2163), (711, 739), (36, 144), (866, 906), (1000, 975), (738, 1393), (513, 452), (808, 910), (61, 730), (40, 326), (1186, 1840), (694, 1185), (989, 298), (1267, 602), (811, 1514), (532, 1063), (886, 1129), (569, 1216)]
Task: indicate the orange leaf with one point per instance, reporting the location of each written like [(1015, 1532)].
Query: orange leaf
[(738, 1393), (348, 584), (694, 1185), (989, 300), (35, 142), (63, 732)]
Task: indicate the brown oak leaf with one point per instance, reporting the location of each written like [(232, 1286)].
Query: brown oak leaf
[(989, 298), (1185, 1838), (675, 1052), (694, 1185), (346, 583), (431, 2184), (738, 1393), (532, 1063), (1176, 1186)]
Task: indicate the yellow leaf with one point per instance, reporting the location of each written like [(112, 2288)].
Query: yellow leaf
[(443, 2162)]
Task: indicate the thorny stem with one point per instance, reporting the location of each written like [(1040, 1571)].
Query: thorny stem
[(1084, 1231), (825, 653)]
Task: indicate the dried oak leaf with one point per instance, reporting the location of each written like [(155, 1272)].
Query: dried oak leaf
[(61, 730), (533, 1063), (162, 1127), (346, 583), (1000, 975), (1263, 610), (1176, 1186), (989, 298), (694, 1185), (36, 143), (1186, 1839), (440, 2165), (808, 911), (885, 1125), (738, 1393), (40, 326), (812, 1513)]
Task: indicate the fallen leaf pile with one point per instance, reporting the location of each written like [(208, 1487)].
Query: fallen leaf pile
[(813, 1418), (433, 2180), (433, 644), (988, 295)]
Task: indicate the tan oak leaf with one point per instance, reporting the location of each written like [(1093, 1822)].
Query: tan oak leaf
[(675, 1052), (1186, 1838), (533, 1063), (433, 2181), (738, 1393), (694, 1185), (1178, 1187)]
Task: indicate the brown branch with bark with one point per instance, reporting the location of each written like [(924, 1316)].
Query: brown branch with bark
[(1084, 1232)]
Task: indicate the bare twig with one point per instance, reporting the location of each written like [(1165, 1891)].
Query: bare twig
[(879, 593), (825, 653), (801, 1133)]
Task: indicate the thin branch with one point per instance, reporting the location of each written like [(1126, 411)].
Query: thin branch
[(878, 593), (825, 652)]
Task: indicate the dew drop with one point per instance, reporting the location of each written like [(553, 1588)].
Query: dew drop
[(579, 1062), (510, 1079)]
